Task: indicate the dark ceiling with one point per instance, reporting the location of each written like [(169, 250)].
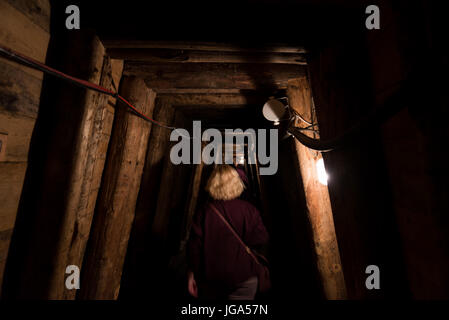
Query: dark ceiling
[(250, 23), (182, 47)]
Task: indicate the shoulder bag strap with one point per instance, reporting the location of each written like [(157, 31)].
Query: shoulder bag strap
[(248, 250)]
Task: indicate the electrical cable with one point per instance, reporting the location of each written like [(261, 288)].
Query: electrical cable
[(301, 117), (34, 64), (295, 112), (392, 106)]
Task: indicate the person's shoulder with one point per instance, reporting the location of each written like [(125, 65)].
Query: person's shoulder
[(245, 204)]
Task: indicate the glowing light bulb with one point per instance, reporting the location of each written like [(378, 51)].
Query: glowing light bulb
[(321, 171)]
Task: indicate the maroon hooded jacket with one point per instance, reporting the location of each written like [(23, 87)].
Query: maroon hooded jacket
[(214, 254)]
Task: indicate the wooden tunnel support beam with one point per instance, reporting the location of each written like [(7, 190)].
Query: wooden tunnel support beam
[(171, 182), (138, 260), (152, 174), (215, 100), (100, 120), (196, 56), (200, 46), (66, 160), (118, 194), (317, 199), (191, 207), (249, 76)]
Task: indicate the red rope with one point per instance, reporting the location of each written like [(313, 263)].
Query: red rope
[(32, 63)]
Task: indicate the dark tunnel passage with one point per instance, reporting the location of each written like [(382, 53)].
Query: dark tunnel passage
[(290, 250), (87, 181)]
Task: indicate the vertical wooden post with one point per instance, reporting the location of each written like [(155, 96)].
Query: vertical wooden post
[(65, 170), (317, 199), (118, 194), (172, 195), (192, 203), (138, 260), (159, 227), (151, 177), (100, 121)]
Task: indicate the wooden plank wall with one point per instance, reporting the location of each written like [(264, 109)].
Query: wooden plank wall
[(415, 140), (348, 81), (24, 27), (357, 185)]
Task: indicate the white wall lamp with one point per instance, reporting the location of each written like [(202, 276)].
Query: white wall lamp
[(273, 110)]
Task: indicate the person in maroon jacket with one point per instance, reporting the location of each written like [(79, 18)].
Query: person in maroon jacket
[(220, 267)]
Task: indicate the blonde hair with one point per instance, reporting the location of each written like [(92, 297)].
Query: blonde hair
[(224, 183)]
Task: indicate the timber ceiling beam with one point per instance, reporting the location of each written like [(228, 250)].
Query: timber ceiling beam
[(215, 75), (218, 100), (201, 46), (162, 91), (196, 56)]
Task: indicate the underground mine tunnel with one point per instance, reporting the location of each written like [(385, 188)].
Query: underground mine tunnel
[(92, 206)]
